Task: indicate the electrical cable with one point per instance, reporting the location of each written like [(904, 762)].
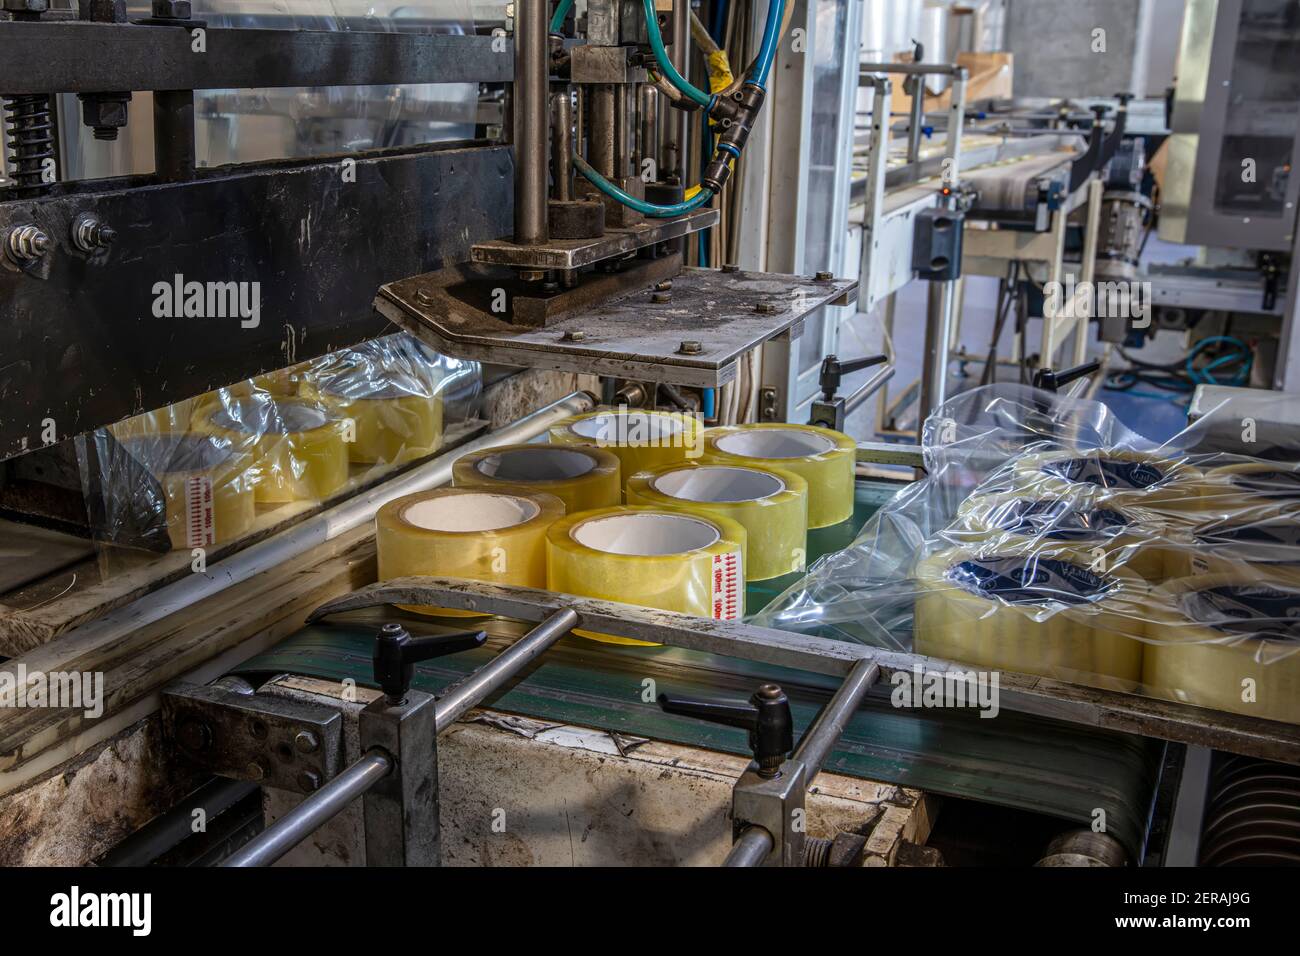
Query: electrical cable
[(640, 205), (669, 71), (561, 11)]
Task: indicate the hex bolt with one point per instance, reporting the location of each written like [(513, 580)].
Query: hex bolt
[(765, 308), (25, 244), (576, 335), (690, 347), (661, 297), (90, 235), (664, 286), (306, 742), (424, 297), (825, 276), (309, 781)]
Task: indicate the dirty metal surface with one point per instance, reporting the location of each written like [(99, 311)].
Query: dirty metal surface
[(640, 333), (575, 253)]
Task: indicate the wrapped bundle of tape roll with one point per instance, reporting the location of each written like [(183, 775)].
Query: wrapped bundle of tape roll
[(639, 439), (1049, 539), (302, 435), (651, 556), (466, 533)]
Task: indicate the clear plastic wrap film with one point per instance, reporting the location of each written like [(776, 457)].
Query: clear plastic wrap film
[(825, 459), (466, 533), (640, 439), (582, 476), (653, 557), (1047, 538), (308, 433), (771, 505)]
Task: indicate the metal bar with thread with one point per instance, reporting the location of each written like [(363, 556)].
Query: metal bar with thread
[(751, 849), (819, 740), (533, 121)]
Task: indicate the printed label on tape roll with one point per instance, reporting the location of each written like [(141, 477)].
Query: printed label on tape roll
[(200, 530), (728, 579)]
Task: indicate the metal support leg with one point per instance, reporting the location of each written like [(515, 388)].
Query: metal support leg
[(401, 810), (938, 330)]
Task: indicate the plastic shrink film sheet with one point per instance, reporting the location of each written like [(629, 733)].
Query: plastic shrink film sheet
[(583, 477), (640, 439), (1047, 538), (825, 459), (300, 436), (771, 505), (466, 533), (652, 557)]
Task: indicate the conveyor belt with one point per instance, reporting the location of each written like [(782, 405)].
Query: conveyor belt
[(1013, 760)]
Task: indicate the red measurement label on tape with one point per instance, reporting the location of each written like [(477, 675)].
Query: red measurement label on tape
[(728, 586), (199, 528)]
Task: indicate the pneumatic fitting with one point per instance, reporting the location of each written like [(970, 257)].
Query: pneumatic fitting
[(735, 116)]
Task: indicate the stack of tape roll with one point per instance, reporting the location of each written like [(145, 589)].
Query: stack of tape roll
[(1263, 537), (207, 486), (466, 533), (393, 419), (825, 459), (649, 556), (640, 439), (1042, 611), (1228, 641), (1145, 480), (583, 477), (771, 505), (298, 446), (1115, 533)]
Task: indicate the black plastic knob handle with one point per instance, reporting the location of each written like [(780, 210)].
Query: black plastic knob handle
[(397, 653), (1051, 381), (833, 371), (766, 715)]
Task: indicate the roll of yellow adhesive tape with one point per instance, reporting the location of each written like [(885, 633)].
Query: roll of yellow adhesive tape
[(771, 505), (1254, 480), (1262, 540), (582, 477), (207, 486), (1147, 481), (640, 439), (1039, 612), (297, 445), (825, 459), (1227, 641), (1120, 534), (653, 557), (393, 421), (466, 533)]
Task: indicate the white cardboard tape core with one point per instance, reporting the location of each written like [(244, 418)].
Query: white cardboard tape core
[(628, 428), (470, 513), (716, 483), (775, 443), (645, 534), (543, 463)]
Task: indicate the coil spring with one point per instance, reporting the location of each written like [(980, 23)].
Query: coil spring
[(30, 139)]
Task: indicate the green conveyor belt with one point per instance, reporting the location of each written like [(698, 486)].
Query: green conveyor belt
[(1014, 760)]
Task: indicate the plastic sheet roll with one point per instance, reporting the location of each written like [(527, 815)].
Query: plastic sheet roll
[(1148, 481), (654, 557), (1038, 612), (1229, 642), (1081, 519), (583, 477), (823, 458), (1262, 539), (640, 439), (771, 505), (393, 421), (298, 446), (207, 486), (466, 533)]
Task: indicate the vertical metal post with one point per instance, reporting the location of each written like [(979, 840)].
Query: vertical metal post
[(676, 123), (173, 135), (624, 117), (401, 810), (877, 166), (530, 86), (938, 329), (602, 131), (562, 145), (649, 124)]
